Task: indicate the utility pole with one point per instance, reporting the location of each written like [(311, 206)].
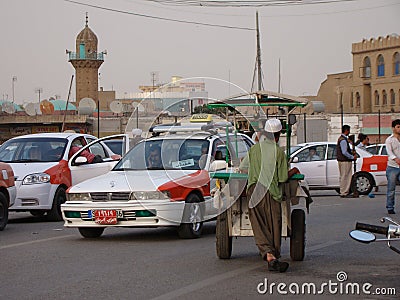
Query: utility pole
[(279, 75), (39, 91), (258, 55), (66, 104), (14, 79)]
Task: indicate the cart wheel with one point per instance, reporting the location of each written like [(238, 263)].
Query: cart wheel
[(298, 235), (224, 241)]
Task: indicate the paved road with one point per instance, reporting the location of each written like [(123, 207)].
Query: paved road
[(41, 260)]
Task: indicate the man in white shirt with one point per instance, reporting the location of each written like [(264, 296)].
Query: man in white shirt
[(393, 167)]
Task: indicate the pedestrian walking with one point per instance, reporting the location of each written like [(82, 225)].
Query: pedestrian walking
[(393, 167), (345, 157), (267, 169)]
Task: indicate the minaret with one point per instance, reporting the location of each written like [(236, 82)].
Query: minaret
[(86, 61)]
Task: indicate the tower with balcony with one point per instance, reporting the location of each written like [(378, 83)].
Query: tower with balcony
[(86, 60)]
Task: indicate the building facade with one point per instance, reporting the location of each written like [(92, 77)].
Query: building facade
[(374, 83)]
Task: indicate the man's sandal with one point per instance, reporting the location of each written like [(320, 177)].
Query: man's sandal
[(277, 266)]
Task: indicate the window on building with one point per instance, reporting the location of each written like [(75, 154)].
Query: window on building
[(384, 97), (351, 100), (358, 99), (367, 67), (392, 97), (381, 66), (376, 98), (396, 64)]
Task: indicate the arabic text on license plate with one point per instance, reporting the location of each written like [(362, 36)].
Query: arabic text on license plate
[(105, 216)]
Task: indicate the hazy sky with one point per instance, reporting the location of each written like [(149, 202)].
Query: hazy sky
[(311, 41)]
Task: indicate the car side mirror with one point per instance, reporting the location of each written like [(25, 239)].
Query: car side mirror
[(218, 165), (294, 160), (81, 160)]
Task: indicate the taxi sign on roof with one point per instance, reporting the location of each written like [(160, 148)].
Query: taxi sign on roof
[(203, 118)]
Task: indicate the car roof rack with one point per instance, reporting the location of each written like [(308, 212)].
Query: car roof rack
[(212, 128)]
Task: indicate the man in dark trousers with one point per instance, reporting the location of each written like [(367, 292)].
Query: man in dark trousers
[(345, 159), (267, 168)]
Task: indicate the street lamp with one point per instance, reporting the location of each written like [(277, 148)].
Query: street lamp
[(39, 91), (14, 79)]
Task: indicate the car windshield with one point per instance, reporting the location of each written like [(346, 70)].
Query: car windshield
[(294, 149), (167, 154), (33, 150)]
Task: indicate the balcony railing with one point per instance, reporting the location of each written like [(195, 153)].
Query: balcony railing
[(89, 56)]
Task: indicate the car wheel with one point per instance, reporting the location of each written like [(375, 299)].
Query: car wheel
[(192, 225), (224, 241), (363, 183), (59, 198), (298, 235), (91, 232), (37, 213), (3, 211)]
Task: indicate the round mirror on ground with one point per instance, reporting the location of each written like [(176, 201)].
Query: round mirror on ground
[(362, 236)]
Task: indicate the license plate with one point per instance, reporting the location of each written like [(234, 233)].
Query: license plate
[(105, 216)]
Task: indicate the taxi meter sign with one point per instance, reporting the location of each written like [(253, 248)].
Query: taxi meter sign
[(203, 118)]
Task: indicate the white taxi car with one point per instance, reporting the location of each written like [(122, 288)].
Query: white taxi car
[(379, 149), (144, 190), (317, 161), (42, 174)]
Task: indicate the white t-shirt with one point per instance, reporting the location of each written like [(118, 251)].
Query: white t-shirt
[(393, 150)]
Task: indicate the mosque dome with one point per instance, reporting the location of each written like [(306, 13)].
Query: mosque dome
[(86, 35), (86, 42)]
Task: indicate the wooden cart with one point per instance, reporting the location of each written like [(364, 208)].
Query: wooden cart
[(233, 219)]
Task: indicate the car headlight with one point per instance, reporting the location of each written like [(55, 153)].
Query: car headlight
[(36, 178), (78, 197), (152, 195)]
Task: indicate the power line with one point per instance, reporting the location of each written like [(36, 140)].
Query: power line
[(159, 18), (246, 3), (330, 12)]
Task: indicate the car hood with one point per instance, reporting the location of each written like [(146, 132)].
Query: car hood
[(120, 181), (23, 169)]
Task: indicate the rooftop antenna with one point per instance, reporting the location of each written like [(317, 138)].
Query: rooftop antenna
[(87, 19)]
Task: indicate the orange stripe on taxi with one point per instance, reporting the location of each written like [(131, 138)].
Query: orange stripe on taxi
[(375, 163)]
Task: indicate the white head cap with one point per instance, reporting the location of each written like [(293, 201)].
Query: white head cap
[(136, 131), (273, 125)]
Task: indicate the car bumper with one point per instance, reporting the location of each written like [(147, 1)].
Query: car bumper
[(380, 178), (34, 196), (12, 192), (165, 213)]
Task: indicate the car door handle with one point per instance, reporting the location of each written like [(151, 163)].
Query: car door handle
[(319, 166)]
